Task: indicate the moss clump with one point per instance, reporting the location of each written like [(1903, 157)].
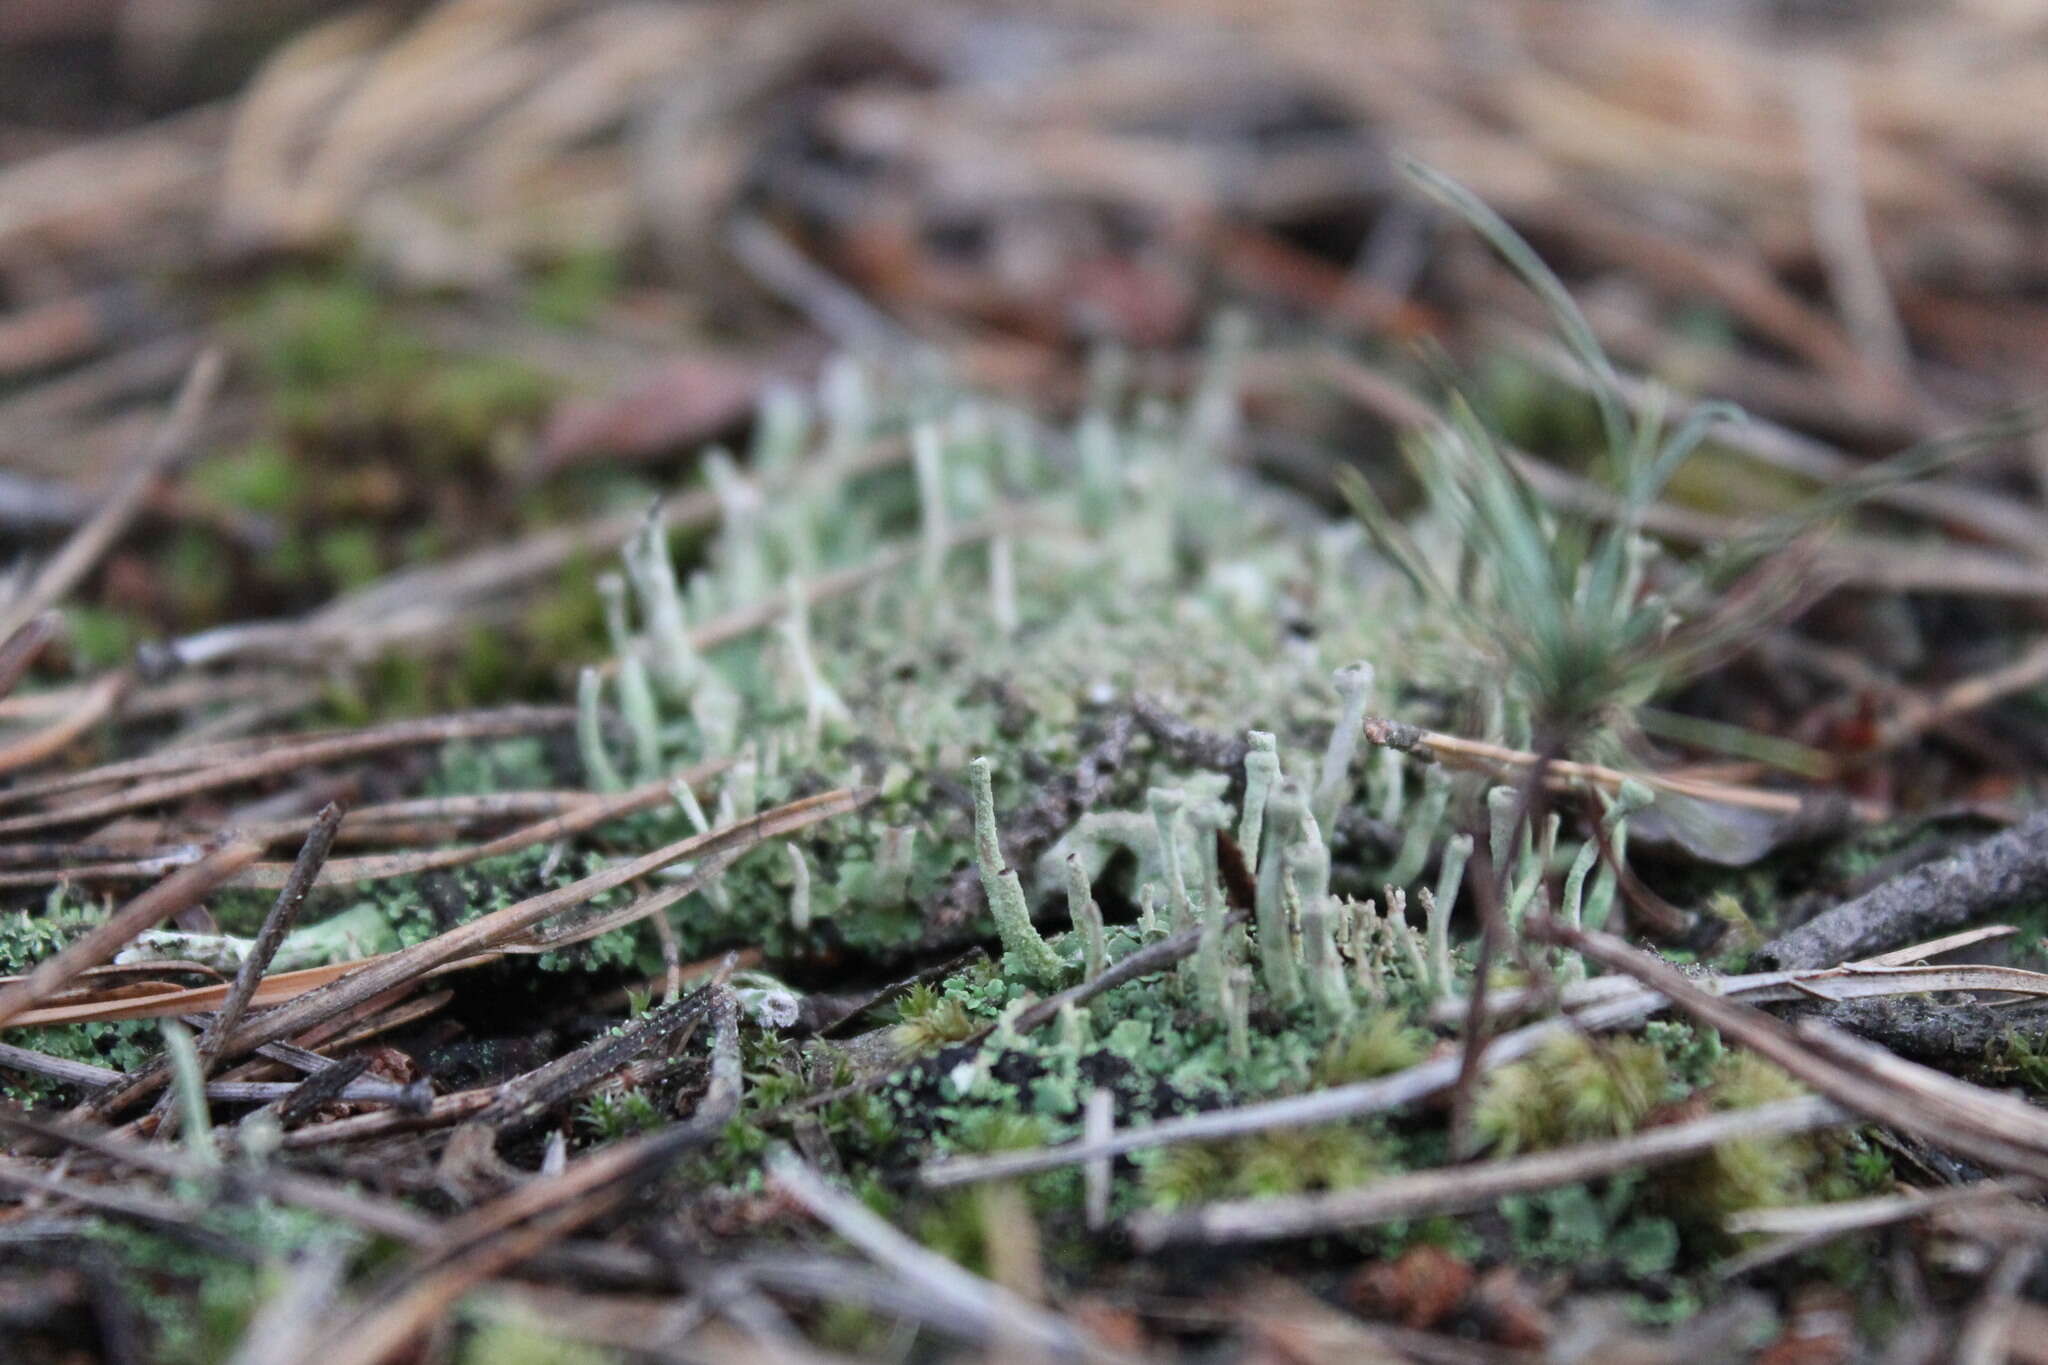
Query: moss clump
[(927, 1021), (1574, 1089), (1379, 1044), (1326, 1156)]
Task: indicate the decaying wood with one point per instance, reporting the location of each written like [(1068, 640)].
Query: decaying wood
[(1994, 877)]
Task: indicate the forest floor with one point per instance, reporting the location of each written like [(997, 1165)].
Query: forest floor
[(1298, 682)]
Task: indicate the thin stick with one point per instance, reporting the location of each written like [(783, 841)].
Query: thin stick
[(526, 1098), (514, 1227), (93, 707), (1460, 1189), (1991, 1129), (1453, 751), (24, 645), (1003, 1314), (511, 720), (591, 813), (63, 1069), (284, 912), (1321, 1106), (180, 890), (166, 447)]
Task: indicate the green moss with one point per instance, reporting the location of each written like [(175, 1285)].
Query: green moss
[(261, 477), (349, 556), (1574, 1089), (572, 290), (101, 637), (196, 1304), (518, 1341)]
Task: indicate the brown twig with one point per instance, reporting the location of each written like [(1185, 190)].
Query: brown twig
[(1986, 878), (284, 912), (1474, 755), (524, 1099), (593, 812), (517, 1225), (513, 720), (94, 706), (352, 984), (1994, 1130), (21, 648)]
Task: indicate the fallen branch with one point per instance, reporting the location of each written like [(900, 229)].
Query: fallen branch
[(1991, 877)]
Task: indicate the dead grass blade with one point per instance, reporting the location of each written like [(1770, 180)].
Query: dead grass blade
[(171, 443), (176, 892), (23, 645), (348, 985), (516, 1226), (1996, 1131), (511, 720)]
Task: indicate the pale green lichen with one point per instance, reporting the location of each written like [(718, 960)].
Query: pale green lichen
[(1023, 948), (1437, 911), (1086, 916), (1354, 684), (1261, 771)]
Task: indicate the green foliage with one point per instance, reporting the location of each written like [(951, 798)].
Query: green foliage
[(196, 1304), (927, 1020), (1759, 1172), (1326, 1156), (1574, 1089), (1574, 1225), (574, 288), (516, 1341), (1379, 1044), (1554, 603), (101, 637), (611, 1115), (260, 477), (349, 556)]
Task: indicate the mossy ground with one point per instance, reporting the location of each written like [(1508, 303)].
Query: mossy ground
[(1141, 563)]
